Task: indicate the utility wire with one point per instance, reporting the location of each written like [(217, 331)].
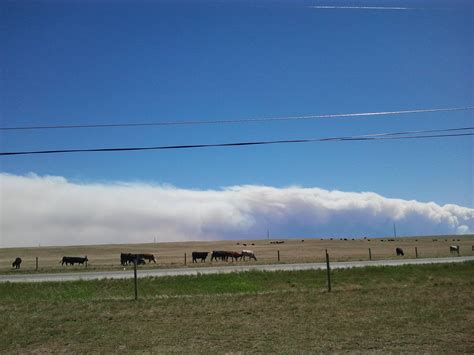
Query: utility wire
[(377, 136), (241, 120), (410, 132)]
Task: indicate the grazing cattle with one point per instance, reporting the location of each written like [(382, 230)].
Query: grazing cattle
[(126, 258), (202, 255), (140, 261), (225, 255), (248, 253), (454, 249), (129, 258), (149, 257), (16, 264), (234, 255), (399, 252), (219, 254), (73, 260)]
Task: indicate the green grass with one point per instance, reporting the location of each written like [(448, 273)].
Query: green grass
[(427, 308)]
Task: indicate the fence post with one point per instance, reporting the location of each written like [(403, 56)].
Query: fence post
[(135, 277), (278, 255), (36, 263), (184, 258), (370, 255), (416, 252), (328, 269)]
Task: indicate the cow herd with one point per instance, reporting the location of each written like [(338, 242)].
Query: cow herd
[(221, 255), (139, 259), (216, 255), (125, 259), (73, 260)]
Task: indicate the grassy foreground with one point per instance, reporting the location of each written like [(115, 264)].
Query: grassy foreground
[(398, 309)]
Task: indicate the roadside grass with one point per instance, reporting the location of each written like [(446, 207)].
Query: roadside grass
[(412, 308)]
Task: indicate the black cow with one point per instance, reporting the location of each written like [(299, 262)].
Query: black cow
[(125, 258), (219, 254), (16, 264), (399, 252), (202, 255), (129, 258), (73, 260)]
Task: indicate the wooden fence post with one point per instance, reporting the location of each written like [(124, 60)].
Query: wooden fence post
[(36, 263), (370, 255), (184, 258), (328, 269), (416, 252), (135, 277), (278, 255)]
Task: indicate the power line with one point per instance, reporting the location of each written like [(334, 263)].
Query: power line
[(414, 132), (367, 137), (241, 120)]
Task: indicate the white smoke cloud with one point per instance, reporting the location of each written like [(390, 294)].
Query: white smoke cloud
[(53, 211), (463, 229)]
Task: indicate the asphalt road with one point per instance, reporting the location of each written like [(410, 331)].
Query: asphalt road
[(127, 274)]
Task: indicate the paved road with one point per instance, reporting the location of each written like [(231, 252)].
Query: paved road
[(220, 270)]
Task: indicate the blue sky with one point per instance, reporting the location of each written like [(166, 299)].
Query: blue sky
[(75, 62)]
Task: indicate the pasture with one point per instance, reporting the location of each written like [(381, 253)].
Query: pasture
[(107, 257), (410, 309)]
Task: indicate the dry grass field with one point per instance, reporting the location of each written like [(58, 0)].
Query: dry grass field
[(107, 257)]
